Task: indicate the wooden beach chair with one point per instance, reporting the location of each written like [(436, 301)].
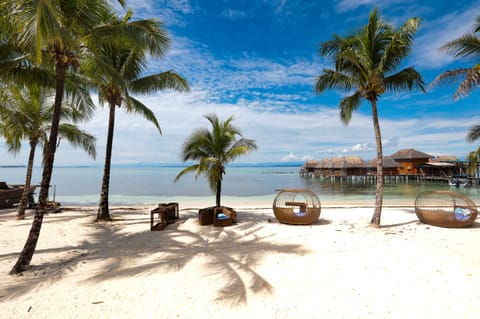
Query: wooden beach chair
[(167, 214)]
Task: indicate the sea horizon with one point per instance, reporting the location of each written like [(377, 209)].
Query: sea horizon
[(244, 185)]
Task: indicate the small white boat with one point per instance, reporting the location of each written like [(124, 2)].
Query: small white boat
[(457, 183)]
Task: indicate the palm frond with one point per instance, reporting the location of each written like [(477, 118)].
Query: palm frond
[(406, 79), (467, 46), (348, 105), (473, 133), (78, 138), (137, 107), (331, 79), (399, 46), (160, 81), (188, 169), (471, 81)]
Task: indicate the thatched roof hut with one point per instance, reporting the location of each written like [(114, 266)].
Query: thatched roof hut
[(410, 154), (342, 162)]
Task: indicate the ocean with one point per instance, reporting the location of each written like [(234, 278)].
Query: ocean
[(242, 186)]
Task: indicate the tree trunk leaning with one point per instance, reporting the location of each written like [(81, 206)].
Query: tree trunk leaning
[(29, 248), (103, 209)]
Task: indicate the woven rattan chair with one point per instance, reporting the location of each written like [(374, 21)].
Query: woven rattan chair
[(296, 206), (445, 209)]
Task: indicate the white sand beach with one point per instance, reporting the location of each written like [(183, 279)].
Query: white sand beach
[(257, 268)]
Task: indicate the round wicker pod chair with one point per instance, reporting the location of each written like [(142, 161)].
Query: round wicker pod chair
[(296, 206), (445, 209)]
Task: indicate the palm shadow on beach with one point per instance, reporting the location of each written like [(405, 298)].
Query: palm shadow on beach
[(230, 253)]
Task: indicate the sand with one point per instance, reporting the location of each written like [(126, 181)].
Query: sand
[(258, 268)]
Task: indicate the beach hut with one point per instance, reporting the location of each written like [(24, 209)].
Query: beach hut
[(410, 160)]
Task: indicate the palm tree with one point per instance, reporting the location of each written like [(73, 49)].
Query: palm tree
[(53, 34), (25, 113), (116, 69), (366, 66), (466, 47), (214, 150)]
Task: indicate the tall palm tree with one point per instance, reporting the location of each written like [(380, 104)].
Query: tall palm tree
[(116, 71), (366, 65), (25, 114), (53, 34), (214, 150)]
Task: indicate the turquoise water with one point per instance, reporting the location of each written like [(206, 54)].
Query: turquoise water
[(242, 186)]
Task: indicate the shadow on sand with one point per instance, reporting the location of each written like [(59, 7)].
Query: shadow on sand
[(231, 252)]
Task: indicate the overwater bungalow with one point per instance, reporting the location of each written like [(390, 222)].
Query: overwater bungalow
[(402, 165), (410, 161)]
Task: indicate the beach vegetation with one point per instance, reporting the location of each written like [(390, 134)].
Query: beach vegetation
[(366, 67), (116, 70), (214, 149), (52, 35), (25, 114)]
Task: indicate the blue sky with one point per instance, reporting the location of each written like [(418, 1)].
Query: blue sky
[(258, 59)]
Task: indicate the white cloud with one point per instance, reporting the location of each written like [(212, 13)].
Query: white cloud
[(290, 158), (347, 5), (435, 33), (365, 147), (318, 134), (168, 11)]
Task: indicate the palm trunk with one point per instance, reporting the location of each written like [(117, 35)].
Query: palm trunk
[(219, 192), (103, 211), (375, 221), (29, 249), (28, 180)]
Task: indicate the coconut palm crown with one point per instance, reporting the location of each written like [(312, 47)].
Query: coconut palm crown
[(366, 65), (214, 149)]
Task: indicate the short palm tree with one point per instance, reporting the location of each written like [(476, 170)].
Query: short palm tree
[(115, 69), (25, 114), (366, 65), (214, 150)]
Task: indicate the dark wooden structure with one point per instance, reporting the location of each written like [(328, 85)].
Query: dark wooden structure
[(166, 213), (11, 195)]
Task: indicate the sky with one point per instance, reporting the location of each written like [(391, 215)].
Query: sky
[(257, 60)]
